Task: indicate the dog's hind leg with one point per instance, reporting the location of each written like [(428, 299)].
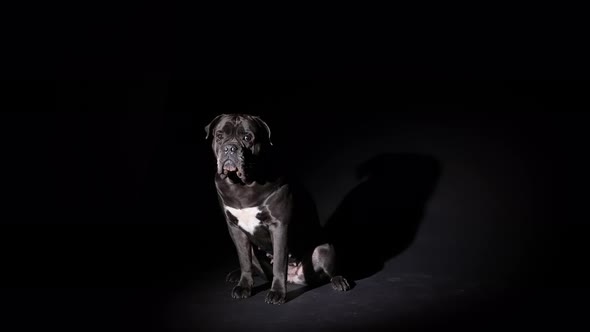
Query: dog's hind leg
[(324, 261)]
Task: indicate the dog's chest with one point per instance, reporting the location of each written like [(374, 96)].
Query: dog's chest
[(247, 219)]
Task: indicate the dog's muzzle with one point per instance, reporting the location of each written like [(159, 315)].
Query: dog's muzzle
[(230, 160)]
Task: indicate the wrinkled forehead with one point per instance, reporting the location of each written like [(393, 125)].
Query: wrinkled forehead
[(232, 124)]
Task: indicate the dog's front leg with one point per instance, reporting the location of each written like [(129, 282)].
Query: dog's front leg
[(278, 289), (244, 287)]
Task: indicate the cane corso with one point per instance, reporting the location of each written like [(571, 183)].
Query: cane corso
[(271, 220)]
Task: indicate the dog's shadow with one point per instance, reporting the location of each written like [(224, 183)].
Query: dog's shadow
[(379, 218)]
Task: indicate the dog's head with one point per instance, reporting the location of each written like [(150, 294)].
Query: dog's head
[(239, 142)]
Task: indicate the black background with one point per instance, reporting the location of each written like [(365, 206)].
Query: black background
[(110, 202)]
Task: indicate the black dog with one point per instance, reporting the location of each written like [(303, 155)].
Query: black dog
[(276, 233)]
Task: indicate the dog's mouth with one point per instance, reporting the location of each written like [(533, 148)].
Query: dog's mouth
[(230, 169), (229, 166)]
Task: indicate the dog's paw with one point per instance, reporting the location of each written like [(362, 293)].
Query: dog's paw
[(276, 297), (240, 292), (234, 276), (340, 283)]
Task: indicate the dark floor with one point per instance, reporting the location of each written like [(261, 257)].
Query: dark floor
[(432, 285), (443, 280)]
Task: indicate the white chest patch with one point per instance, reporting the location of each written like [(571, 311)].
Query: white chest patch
[(246, 217)]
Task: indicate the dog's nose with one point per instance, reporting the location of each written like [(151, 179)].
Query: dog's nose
[(230, 148)]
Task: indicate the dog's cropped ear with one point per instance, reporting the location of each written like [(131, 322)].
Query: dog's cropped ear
[(263, 124), (212, 125)]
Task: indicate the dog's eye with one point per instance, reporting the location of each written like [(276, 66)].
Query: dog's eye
[(219, 135), (247, 137)]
